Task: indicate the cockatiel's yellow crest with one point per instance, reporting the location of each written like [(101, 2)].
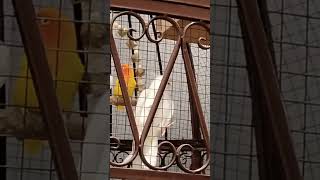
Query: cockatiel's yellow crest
[(65, 67), (130, 82)]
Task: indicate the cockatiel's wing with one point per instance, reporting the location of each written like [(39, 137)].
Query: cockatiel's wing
[(4, 64), (161, 121), (140, 111), (165, 111), (144, 103)]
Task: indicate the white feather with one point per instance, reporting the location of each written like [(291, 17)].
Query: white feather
[(161, 121), (111, 81)]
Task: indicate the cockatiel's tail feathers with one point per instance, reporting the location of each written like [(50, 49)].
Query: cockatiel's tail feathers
[(163, 128), (32, 147)]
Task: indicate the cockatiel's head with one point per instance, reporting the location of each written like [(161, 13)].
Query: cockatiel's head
[(53, 25), (155, 84), (127, 71), (158, 80)]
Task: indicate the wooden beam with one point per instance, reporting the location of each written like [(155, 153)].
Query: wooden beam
[(192, 36)]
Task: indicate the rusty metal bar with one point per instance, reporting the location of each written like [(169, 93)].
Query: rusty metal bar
[(124, 89), (267, 94), (132, 52), (44, 88), (259, 117), (174, 9), (161, 89), (134, 174), (263, 9), (195, 97), (196, 132)]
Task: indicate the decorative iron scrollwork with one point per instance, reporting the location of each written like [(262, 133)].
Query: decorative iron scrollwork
[(181, 42)]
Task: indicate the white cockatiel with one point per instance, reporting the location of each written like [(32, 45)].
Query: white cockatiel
[(4, 64), (161, 121)]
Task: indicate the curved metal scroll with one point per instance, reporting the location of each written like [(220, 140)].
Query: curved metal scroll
[(180, 42)]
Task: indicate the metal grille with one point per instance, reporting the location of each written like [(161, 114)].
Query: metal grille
[(153, 59), (294, 28), (88, 118)]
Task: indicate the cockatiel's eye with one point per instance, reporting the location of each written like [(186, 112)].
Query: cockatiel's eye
[(44, 21)]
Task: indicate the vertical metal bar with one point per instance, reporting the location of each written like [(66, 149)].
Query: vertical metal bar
[(194, 95), (77, 11), (157, 46), (58, 40), (213, 17), (124, 90), (267, 27), (265, 153), (83, 102), (281, 43), (225, 146), (196, 133), (277, 150), (134, 67), (132, 51), (2, 20), (258, 115), (250, 152), (3, 140), (108, 71), (159, 58), (305, 106), (43, 83), (263, 6)]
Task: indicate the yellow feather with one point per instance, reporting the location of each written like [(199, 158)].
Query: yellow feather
[(66, 69), (131, 85), (32, 147)]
